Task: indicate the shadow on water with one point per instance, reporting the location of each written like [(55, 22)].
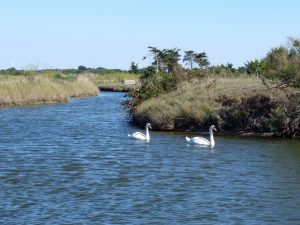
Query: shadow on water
[(73, 163)]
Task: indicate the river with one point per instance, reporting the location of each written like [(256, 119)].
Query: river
[(73, 163)]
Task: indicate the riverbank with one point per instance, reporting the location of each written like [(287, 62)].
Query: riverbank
[(44, 89), (235, 105), (117, 88)]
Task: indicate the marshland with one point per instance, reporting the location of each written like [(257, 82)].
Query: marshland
[(149, 112), (29, 87)]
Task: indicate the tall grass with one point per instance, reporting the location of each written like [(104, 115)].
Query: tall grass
[(200, 100), (24, 90), (197, 99)]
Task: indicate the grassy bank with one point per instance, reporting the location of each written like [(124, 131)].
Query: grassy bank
[(46, 88), (234, 105)]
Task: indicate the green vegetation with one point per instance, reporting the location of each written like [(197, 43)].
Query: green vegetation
[(283, 64), (116, 81), (262, 97)]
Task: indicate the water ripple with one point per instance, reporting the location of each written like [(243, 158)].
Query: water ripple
[(73, 164)]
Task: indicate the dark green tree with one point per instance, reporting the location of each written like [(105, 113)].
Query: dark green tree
[(81, 69), (170, 58), (164, 60), (255, 67), (134, 68), (202, 60)]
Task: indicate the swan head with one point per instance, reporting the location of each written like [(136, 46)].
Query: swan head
[(148, 125), (212, 128)]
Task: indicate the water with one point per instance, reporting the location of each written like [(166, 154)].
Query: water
[(73, 164)]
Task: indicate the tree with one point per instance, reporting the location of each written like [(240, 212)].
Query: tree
[(242, 69), (156, 54), (294, 46), (202, 60), (189, 58), (255, 67), (11, 69), (170, 58), (81, 68), (134, 68), (164, 60)]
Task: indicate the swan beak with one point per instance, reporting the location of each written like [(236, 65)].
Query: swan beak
[(215, 129), (150, 127)]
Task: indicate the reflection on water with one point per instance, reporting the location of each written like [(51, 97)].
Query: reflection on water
[(74, 164)]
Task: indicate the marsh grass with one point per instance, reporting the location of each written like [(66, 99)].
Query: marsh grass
[(40, 89), (200, 99)]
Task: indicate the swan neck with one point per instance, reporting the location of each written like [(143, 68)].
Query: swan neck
[(147, 133), (212, 140)]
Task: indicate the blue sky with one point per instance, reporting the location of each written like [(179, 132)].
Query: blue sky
[(112, 33)]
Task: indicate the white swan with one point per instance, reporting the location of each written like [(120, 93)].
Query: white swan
[(203, 141), (141, 136)]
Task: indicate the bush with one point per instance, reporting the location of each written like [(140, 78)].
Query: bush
[(152, 86), (283, 64)]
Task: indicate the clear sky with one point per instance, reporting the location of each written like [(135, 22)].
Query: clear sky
[(112, 33)]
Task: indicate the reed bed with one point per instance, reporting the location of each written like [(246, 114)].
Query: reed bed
[(28, 90)]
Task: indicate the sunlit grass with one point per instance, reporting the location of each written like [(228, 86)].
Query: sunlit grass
[(199, 99), (39, 89)]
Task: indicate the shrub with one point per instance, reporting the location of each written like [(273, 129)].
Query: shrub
[(283, 64)]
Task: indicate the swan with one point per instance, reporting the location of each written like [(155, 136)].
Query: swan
[(203, 141), (141, 136)]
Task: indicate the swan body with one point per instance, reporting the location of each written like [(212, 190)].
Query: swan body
[(203, 141), (140, 136)]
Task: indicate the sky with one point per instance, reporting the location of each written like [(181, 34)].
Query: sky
[(113, 33)]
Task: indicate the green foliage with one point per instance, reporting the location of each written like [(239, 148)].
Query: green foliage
[(59, 76), (202, 60), (170, 58), (164, 60), (152, 86), (276, 121), (134, 68), (148, 72), (241, 69), (81, 69), (223, 70), (255, 66), (191, 58), (283, 64)]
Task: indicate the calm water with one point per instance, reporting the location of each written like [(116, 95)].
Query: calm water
[(73, 164)]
